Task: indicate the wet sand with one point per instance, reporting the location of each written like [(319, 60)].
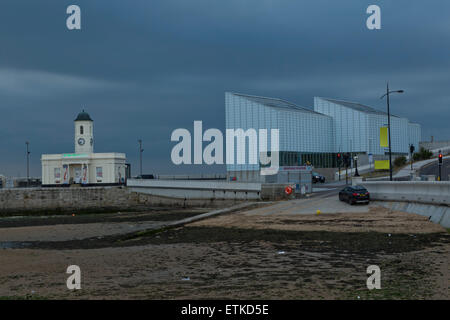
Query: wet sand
[(243, 256)]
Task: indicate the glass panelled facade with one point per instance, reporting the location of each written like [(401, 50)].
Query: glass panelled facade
[(301, 130), (357, 127), (316, 136), (414, 134), (318, 160)]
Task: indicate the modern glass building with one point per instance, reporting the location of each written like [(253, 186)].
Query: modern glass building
[(357, 128), (316, 136)]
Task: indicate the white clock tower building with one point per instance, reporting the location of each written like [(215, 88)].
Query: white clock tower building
[(84, 133), (84, 167)]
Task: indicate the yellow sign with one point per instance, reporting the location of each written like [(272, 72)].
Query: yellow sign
[(381, 164), (384, 137)]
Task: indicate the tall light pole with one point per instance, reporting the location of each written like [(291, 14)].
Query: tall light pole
[(389, 125), (140, 156), (28, 163), (411, 152), (356, 166)]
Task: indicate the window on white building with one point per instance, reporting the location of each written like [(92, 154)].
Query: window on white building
[(99, 172), (57, 173)]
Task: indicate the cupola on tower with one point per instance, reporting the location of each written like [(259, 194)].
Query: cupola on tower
[(84, 133)]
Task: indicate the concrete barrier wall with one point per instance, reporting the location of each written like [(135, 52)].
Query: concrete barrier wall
[(427, 198), (184, 189), (273, 191), (192, 177), (92, 199), (211, 190), (436, 214), (426, 192), (434, 145)]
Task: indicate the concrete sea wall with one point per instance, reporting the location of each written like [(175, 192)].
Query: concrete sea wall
[(92, 199), (210, 190), (188, 189), (436, 214), (427, 198)]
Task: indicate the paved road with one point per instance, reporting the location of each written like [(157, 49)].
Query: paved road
[(434, 169), (326, 201)]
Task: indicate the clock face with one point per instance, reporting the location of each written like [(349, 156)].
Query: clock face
[(81, 141)]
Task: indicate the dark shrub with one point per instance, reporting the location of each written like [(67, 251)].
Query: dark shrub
[(400, 161)]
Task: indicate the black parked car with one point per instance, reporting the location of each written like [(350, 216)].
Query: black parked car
[(146, 176), (317, 178), (354, 195)]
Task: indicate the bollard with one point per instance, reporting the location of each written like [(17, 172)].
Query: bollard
[(356, 181)]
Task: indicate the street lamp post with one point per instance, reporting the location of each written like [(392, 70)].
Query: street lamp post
[(440, 165), (140, 156), (389, 125), (28, 163), (411, 153)]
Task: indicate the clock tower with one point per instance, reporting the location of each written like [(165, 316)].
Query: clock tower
[(84, 133)]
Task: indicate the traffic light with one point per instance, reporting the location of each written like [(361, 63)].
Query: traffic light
[(339, 158), (411, 149), (440, 158), (346, 159)]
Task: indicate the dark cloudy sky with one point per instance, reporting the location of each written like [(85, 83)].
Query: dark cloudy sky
[(143, 68)]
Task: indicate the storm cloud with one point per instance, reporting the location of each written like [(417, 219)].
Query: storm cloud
[(144, 68)]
